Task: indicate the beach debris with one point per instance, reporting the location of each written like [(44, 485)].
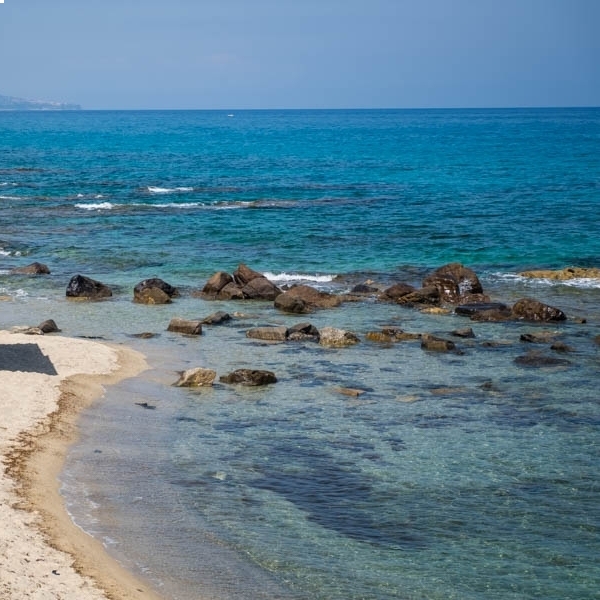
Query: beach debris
[(337, 338), (154, 291), (456, 284), (184, 326), (432, 343), (84, 288), (34, 268), (530, 309), (196, 377), (249, 377)]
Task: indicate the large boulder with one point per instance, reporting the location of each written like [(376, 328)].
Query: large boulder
[(337, 338), (197, 377), (291, 304), (34, 268), (436, 344), (454, 282), (397, 291), (154, 291), (244, 274), (84, 288), (249, 377), (426, 295), (530, 309), (48, 326), (310, 296), (232, 291), (260, 288), (216, 283)]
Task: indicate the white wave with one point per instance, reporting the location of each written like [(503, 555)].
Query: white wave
[(295, 277), (579, 282), (95, 206), (153, 189), (174, 205), (9, 197), (80, 195), (19, 293)]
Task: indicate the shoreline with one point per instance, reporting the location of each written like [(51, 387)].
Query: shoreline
[(40, 546)]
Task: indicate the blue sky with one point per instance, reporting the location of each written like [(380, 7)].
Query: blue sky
[(233, 54)]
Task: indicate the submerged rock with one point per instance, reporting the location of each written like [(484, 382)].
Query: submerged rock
[(34, 268), (537, 360), (249, 377)]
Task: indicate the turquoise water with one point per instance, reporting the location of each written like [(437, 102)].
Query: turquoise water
[(452, 476)]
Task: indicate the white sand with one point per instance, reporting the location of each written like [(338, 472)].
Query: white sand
[(43, 555)]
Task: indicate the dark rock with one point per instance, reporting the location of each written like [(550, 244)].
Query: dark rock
[(426, 295), (312, 298), (178, 325), (216, 318), (397, 290), (542, 337), (537, 360), (244, 275), (145, 335), (270, 334), (453, 282), (231, 291), (155, 282), (197, 377), (597, 340), (303, 332), (465, 332), (34, 268), (533, 310), (250, 377), (436, 344), (151, 295), (216, 283), (363, 288), (493, 315), (85, 288), (48, 326), (291, 304), (260, 288), (471, 308), (561, 347)]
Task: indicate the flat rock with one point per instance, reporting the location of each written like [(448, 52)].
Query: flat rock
[(178, 325), (249, 377), (563, 274), (270, 334), (197, 377), (432, 343), (337, 338), (538, 360)]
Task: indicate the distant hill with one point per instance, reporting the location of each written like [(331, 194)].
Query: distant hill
[(12, 103)]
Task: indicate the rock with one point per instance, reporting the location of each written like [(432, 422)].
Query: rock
[(561, 347), (303, 332), (291, 304), (454, 282), (597, 340), (337, 338), (216, 283), (493, 315), (34, 268), (85, 288), (465, 332), (216, 318), (231, 291), (396, 291), (541, 337), (155, 282), (563, 274), (349, 391), (363, 288), (271, 334), (151, 295), (426, 295), (197, 377), (435, 310), (537, 360), (533, 310), (178, 325), (260, 288), (312, 298), (145, 335), (387, 335), (244, 275), (250, 377), (48, 326), (436, 344), (471, 308)]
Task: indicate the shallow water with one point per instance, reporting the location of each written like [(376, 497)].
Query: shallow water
[(460, 475)]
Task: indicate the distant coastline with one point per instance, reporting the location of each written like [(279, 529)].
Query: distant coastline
[(14, 103)]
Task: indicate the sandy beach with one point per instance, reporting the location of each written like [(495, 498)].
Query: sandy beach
[(45, 381)]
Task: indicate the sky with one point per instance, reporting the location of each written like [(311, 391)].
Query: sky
[(236, 54)]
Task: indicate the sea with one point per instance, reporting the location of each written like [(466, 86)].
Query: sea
[(468, 474)]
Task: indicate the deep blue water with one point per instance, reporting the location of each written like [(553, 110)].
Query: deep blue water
[(452, 476)]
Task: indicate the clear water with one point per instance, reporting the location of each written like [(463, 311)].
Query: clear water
[(452, 476)]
